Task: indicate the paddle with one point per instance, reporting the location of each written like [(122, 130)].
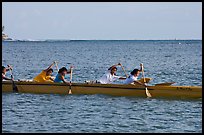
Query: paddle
[(124, 70), (56, 66), (70, 85), (15, 89), (146, 90)]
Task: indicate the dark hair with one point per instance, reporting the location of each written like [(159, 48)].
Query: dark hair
[(111, 68), (62, 69), (50, 70), (3, 68), (134, 71)]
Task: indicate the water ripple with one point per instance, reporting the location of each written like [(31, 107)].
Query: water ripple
[(164, 61)]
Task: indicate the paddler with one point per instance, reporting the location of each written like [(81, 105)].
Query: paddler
[(110, 76), (4, 70), (132, 79), (45, 75), (60, 78)]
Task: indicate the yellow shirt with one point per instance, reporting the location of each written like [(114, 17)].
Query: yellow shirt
[(42, 77)]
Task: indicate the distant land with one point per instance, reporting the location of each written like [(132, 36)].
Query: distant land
[(61, 40)]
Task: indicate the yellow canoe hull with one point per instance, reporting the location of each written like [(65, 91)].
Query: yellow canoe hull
[(107, 89)]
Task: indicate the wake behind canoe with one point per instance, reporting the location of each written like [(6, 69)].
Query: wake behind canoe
[(157, 91)]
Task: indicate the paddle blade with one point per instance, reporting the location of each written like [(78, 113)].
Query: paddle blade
[(15, 88), (147, 93), (70, 92)]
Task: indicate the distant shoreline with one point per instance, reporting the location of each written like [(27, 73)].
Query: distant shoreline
[(44, 40)]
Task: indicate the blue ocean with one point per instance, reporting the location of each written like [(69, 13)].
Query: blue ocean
[(177, 61)]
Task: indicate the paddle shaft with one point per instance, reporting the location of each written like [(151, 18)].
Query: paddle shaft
[(124, 70), (143, 75), (11, 74), (15, 89), (146, 90), (56, 66), (70, 83)]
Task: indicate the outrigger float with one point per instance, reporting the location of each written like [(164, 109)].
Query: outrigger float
[(163, 90)]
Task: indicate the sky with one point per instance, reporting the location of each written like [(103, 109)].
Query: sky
[(102, 20)]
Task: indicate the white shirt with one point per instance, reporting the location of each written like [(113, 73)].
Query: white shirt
[(107, 78), (130, 79), (3, 75)]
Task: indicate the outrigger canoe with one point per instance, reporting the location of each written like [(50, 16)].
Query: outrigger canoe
[(157, 91)]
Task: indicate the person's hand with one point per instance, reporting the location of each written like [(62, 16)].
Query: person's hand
[(71, 66), (119, 64), (10, 67), (144, 84), (141, 64), (55, 62), (68, 83)]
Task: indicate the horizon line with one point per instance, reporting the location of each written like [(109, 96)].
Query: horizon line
[(107, 39)]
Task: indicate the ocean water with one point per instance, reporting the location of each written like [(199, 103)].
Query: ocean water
[(164, 61)]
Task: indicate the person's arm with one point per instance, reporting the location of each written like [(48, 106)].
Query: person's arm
[(122, 78), (139, 83), (9, 68), (114, 66), (50, 66), (64, 81), (119, 77), (6, 78), (69, 72), (52, 79)]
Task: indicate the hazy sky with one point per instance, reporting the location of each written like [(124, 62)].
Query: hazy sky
[(96, 20)]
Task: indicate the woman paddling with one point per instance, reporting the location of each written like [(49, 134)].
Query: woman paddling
[(4, 70), (132, 79), (45, 75), (110, 76), (60, 78)]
